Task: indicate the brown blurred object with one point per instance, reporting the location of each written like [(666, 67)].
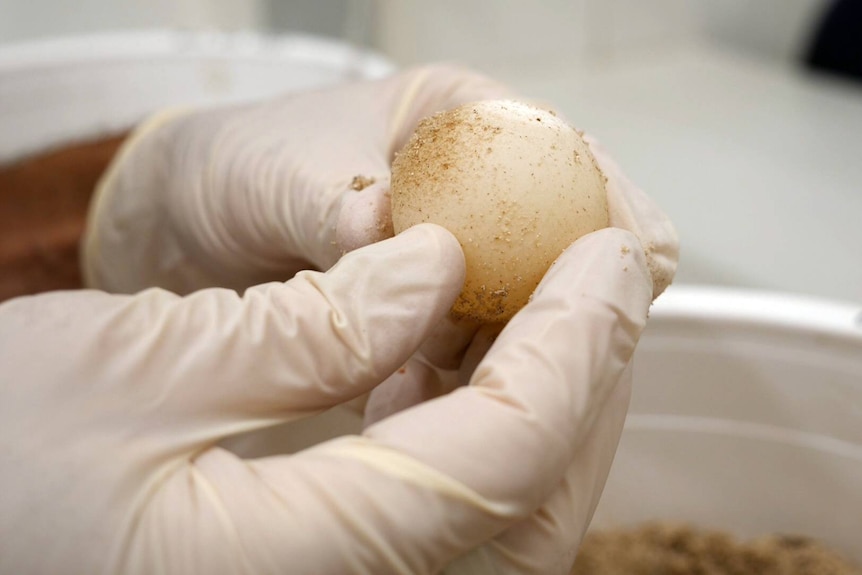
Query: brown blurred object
[(43, 208), (671, 549)]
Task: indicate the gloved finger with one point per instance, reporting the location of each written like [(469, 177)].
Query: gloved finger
[(350, 506), (314, 191), (365, 217), (446, 346), (432, 372), (466, 344), (537, 390), (455, 349), (414, 383), (475, 353), (238, 363), (347, 506), (367, 315), (547, 541), (631, 209), (259, 199), (424, 486), (226, 197)]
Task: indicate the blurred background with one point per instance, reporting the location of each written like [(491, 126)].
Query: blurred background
[(480, 32), (708, 104)]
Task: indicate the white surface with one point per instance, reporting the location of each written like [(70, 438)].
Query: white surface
[(758, 166), (490, 33), (37, 19), (746, 416), (59, 90), (483, 32)]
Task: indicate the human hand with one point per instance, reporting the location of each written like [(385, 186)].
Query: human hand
[(440, 365), (237, 196), (243, 231), (547, 540), (113, 408)]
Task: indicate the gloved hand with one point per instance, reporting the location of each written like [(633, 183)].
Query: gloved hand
[(113, 406), (236, 196), (442, 363), (229, 198)]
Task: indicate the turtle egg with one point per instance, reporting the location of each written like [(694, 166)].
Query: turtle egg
[(513, 183)]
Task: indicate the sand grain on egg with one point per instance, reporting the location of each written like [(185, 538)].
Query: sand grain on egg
[(515, 184)]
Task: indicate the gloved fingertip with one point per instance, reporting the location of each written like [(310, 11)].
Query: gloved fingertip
[(425, 260), (440, 247), (632, 209), (608, 264), (365, 217)]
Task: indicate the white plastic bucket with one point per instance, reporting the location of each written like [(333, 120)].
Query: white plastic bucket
[(55, 91), (746, 416)]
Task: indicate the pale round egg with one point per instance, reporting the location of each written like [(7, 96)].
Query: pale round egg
[(514, 183)]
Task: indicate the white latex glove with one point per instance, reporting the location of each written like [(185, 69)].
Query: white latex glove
[(441, 365), (236, 196), (112, 408)]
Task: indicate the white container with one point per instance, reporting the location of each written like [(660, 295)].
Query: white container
[(746, 416), (55, 91)]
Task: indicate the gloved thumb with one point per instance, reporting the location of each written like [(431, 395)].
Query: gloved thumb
[(288, 350), (215, 363)]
